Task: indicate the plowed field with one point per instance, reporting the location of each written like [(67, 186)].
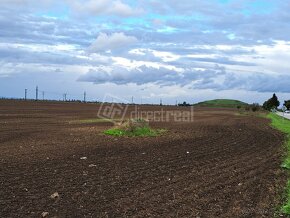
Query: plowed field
[(219, 165)]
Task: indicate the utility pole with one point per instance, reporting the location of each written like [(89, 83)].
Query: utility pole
[(64, 97), (36, 94), (160, 101), (85, 96), (43, 95), (25, 95)]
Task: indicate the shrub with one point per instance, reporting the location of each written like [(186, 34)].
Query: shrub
[(247, 108), (255, 107), (134, 127)]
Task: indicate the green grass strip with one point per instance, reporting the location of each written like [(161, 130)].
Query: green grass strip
[(144, 131), (283, 125)]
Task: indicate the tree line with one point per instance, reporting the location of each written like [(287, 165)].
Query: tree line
[(274, 103)]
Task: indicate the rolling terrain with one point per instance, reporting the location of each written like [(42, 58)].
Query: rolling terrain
[(221, 103)]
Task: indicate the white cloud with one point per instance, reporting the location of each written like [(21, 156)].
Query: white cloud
[(165, 56), (28, 5), (132, 64), (104, 7), (270, 59), (137, 51), (124, 10), (20, 2), (106, 42)]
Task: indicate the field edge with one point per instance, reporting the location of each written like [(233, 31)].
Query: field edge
[(283, 125)]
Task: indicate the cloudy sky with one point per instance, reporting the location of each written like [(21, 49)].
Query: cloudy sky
[(185, 50)]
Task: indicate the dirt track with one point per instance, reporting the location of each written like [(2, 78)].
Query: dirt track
[(220, 165)]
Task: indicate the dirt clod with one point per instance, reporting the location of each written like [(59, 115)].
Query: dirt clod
[(44, 214), (54, 196)]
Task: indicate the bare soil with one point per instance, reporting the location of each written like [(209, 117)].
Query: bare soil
[(220, 165)]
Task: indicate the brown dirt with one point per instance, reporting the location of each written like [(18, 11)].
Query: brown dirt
[(220, 165)]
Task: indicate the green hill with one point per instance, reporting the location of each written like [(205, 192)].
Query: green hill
[(221, 103)]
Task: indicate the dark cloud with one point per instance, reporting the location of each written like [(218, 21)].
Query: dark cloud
[(27, 28), (139, 76), (29, 56), (216, 79), (147, 75), (257, 82)]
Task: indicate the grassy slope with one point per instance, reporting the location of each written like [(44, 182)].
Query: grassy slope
[(228, 103), (284, 126)]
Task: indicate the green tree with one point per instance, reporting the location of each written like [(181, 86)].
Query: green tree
[(287, 104), (271, 103), (274, 101), (184, 104)]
